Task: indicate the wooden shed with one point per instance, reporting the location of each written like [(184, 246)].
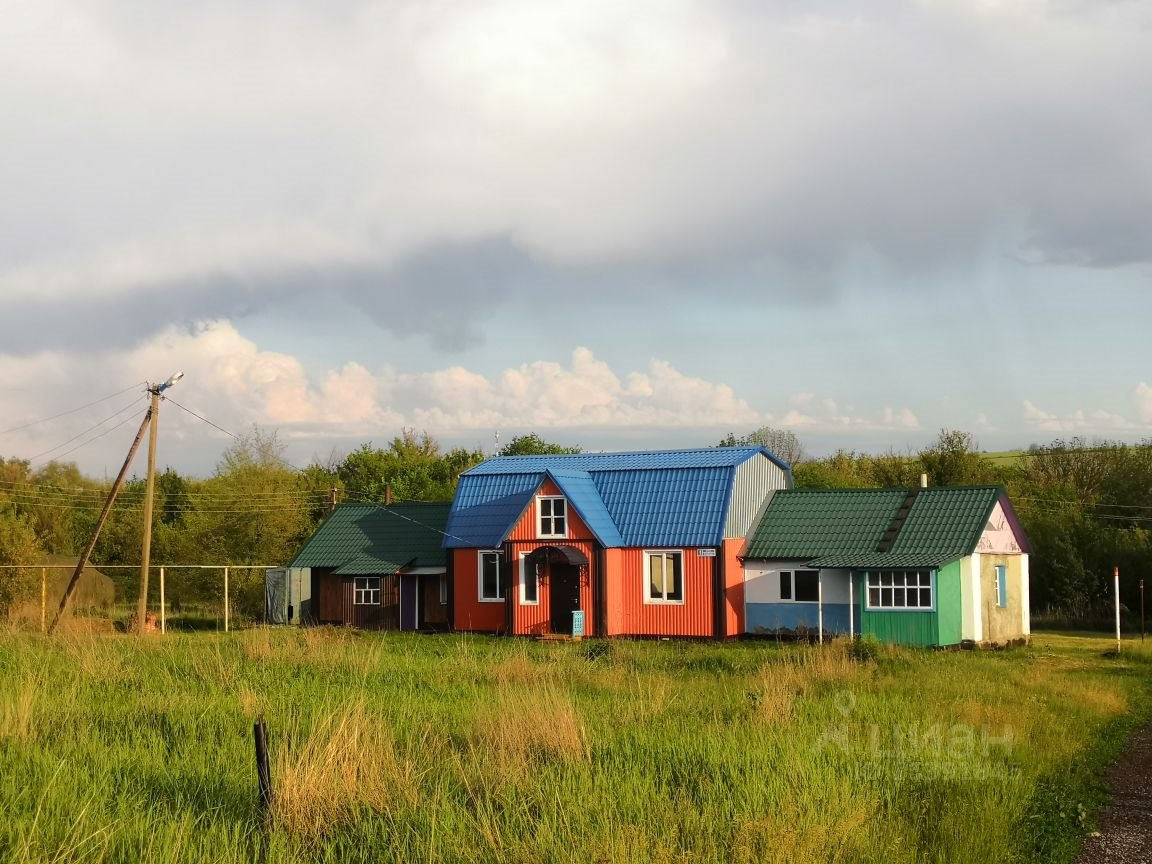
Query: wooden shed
[(378, 568)]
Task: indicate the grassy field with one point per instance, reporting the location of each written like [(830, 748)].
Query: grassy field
[(448, 748)]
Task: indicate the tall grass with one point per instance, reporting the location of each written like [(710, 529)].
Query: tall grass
[(394, 747)]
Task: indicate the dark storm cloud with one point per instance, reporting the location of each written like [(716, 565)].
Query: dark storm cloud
[(215, 159)]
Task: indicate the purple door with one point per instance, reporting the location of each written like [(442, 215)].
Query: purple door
[(409, 598)]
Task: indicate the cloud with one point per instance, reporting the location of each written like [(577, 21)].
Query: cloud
[(826, 415), (232, 382), (465, 147), (1142, 395), (1079, 420)]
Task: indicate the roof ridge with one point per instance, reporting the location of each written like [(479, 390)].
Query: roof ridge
[(892, 532)]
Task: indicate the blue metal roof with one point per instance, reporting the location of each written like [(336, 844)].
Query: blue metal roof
[(703, 457), (580, 490), (486, 507), (658, 498)]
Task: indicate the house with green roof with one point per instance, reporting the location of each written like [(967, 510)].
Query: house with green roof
[(375, 567), (926, 566)]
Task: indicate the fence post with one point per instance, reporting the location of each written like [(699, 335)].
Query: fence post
[(1116, 594), (226, 600), (44, 599), (163, 617), (263, 772)]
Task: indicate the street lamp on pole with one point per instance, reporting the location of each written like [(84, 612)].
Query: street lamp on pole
[(146, 546)]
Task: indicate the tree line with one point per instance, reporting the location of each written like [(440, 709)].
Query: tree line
[(254, 509), (1085, 506)]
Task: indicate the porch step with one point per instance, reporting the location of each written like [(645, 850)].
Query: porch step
[(557, 637)]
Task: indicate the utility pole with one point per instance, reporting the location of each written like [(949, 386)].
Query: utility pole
[(80, 565), (146, 546)]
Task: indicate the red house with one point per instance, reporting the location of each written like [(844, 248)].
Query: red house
[(635, 544)]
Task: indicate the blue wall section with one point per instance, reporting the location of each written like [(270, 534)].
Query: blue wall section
[(769, 617)]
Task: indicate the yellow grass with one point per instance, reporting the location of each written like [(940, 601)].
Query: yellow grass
[(346, 764)]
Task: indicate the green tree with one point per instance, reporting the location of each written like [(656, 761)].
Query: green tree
[(782, 442), (533, 445), (954, 460), (18, 544), (413, 467)]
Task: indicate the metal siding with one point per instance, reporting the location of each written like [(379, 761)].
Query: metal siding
[(536, 619), (754, 482), (734, 587), (693, 617), (614, 590), (527, 528), (900, 628), (469, 613)]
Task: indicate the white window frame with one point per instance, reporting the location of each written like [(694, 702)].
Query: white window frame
[(527, 573), (879, 574), (480, 576), (663, 601), (791, 574), (362, 595), (540, 517)]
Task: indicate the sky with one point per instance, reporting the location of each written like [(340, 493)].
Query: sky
[(619, 225)]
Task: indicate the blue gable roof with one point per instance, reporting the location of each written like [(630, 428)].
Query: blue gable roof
[(659, 498)]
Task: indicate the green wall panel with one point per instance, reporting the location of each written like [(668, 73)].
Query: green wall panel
[(901, 628), (948, 600)]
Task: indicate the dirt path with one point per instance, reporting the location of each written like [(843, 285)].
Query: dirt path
[(1126, 821)]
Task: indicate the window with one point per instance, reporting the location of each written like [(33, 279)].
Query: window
[(665, 577), (366, 591), (1001, 585), (553, 517), (529, 584), (802, 586), (491, 577), (900, 589)]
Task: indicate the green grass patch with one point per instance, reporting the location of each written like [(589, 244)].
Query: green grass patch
[(397, 747)]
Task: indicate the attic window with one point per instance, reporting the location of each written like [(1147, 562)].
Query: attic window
[(553, 517)]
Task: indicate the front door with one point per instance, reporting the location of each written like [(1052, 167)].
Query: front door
[(564, 596)]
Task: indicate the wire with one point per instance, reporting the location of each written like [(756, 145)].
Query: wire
[(198, 417), (73, 411), (91, 428)]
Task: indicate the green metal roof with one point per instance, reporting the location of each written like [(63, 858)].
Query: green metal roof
[(367, 539), (947, 520), (803, 523), (845, 528)]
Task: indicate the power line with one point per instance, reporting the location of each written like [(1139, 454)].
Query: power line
[(204, 419), (97, 437), (91, 428), (72, 411), (1082, 503)]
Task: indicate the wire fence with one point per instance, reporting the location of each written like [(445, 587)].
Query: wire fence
[(161, 609)]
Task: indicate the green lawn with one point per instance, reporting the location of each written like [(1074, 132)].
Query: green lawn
[(450, 748)]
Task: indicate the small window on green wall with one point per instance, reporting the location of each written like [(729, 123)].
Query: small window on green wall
[(1001, 585)]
